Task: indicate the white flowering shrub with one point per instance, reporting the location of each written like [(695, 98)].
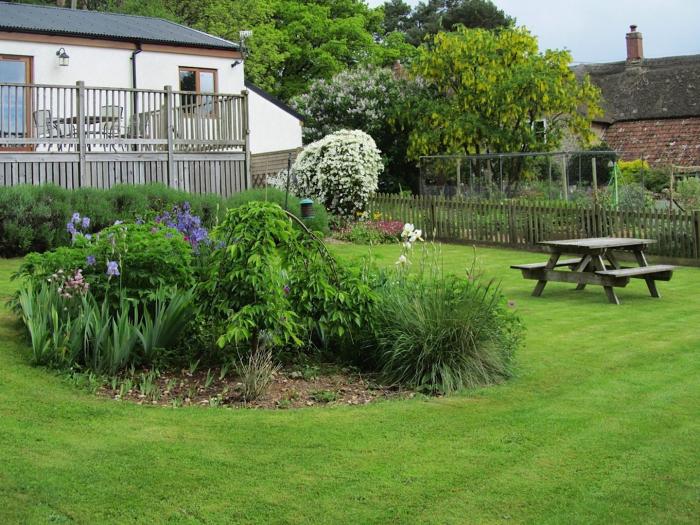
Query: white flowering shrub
[(341, 170)]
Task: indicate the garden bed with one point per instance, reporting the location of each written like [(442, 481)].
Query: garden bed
[(290, 388)]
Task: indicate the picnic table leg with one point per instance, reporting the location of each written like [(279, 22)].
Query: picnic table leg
[(600, 265), (582, 268), (551, 263), (613, 260), (651, 283)]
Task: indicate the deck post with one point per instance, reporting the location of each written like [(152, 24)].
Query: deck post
[(82, 165), (169, 131), (246, 130)]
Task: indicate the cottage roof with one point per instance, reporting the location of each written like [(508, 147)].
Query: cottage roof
[(27, 18), (651, 88)]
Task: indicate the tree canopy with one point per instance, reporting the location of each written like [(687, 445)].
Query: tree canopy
[(429, 18), (489, 90)]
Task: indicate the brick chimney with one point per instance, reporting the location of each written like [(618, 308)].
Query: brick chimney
[(635, 51)]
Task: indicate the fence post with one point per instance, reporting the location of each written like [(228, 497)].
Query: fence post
[(170, 132), (696, 229), (565, 178), (246, 130), (82, 171), (594, 174), (512, 230)]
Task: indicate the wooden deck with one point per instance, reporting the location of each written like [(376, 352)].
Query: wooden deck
[(78, 136)]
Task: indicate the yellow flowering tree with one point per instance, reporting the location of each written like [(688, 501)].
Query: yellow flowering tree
[(488, 92)]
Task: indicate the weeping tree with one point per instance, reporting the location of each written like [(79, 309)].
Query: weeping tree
[(489, 92)]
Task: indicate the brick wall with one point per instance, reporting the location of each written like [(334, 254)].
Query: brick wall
[(264, 164)]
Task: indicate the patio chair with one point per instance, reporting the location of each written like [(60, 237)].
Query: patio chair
[(110, 120), (46, 127)]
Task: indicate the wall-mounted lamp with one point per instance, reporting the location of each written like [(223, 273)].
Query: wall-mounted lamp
[(62, 57)]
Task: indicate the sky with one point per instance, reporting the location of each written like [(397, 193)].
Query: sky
[(594, 30)]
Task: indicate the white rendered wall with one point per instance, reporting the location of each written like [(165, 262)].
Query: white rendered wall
[(271, 127), (100, 66)]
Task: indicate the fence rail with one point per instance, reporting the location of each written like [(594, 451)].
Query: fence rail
[(100, 136), (524, 224)]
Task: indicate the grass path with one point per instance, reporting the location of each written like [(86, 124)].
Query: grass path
[(602, 424)]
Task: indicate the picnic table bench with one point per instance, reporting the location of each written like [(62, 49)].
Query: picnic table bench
[(590, 266)]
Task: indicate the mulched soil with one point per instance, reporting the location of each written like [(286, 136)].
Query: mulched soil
[(289, 389)]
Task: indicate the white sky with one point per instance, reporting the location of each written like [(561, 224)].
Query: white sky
[(594, 30)]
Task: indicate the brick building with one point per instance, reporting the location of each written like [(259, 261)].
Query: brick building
[(652, 105)]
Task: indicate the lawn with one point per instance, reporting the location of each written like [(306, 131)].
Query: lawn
[(601, 424)]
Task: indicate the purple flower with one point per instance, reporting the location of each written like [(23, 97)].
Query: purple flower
[(70, 228), (286, 289), (139, 220), (90, 260), (76, 217), (86, 223), (88, 236), (112, 268)]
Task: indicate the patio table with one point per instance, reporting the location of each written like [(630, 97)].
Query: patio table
[(590, 266)]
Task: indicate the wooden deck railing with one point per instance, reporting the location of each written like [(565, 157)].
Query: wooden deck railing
[(523, 224), (98, 136), (35, 117)]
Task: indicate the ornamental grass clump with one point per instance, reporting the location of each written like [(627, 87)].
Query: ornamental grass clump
[(445, 335), (441, 333)]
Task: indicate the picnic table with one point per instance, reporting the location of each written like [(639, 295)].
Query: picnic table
[(589, 267)]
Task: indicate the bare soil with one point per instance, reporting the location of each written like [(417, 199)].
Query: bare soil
[(289, 389)]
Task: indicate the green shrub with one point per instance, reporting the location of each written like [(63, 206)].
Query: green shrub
[(688, 193), (272, 285), (444, 334), (318, 223), (147, 256), (33, 218)]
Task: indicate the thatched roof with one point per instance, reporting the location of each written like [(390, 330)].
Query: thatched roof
[(652, 88)]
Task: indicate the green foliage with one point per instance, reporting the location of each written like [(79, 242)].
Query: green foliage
[(639, 172), (148, 256), (319, 223), (172, 312), (443, 334), (293, 42), (688, 193), (429, 18), (324, 396), (246, 285), (33, 218), (273, 286), (488, 90), (332, 105), (79, 331), (579, 167)]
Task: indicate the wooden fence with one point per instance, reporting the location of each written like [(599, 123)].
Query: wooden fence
[(524, 224)]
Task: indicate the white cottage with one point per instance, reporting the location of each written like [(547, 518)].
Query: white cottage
[(103, 98)]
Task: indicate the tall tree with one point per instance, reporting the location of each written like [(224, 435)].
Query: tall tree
[(428, 18), (490, 89)]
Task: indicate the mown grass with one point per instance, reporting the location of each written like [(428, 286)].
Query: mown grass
[(600, 425)]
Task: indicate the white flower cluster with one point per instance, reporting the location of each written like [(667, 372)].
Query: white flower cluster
[(409, 236), (341, 170)]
